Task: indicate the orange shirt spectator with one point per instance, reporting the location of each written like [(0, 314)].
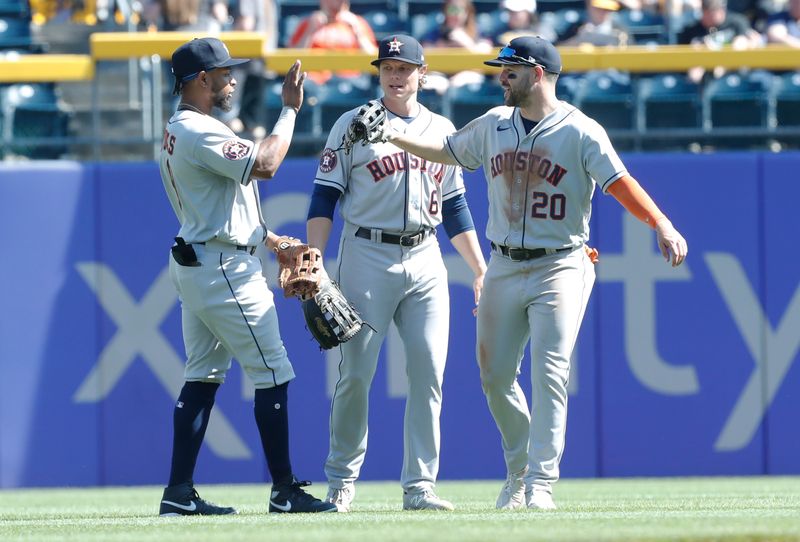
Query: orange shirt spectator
[(334, 26)]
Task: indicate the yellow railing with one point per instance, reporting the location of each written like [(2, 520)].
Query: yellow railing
[(123, 46)]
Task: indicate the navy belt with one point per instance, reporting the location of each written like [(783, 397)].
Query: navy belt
[(244, 248), (406, 240), (521, 254)]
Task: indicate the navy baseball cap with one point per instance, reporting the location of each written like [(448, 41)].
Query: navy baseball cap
[(200, 54), (400, 47), (529, 51)]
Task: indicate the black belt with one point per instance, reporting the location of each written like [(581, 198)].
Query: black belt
[(244, 248), (521, 254), (406, 240)]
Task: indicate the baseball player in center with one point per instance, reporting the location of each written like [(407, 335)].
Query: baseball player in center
[(542, 159), (390, 267)]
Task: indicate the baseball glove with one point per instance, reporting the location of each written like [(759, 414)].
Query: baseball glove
[(330, 318), (299, 267), (367, 126)]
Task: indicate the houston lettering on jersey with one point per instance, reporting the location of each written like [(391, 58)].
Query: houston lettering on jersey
[(526, 161), (387, 165)]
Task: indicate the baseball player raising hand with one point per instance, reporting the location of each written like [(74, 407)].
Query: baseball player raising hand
[(227, 308), (390, 267), (542, 159)]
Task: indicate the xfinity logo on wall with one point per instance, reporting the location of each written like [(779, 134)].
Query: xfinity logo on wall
[(639, 268)]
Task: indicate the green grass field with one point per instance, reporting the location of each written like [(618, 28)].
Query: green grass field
[(762, 508)]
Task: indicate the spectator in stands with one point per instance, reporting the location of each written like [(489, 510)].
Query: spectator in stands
[(522, 20), (600, 26), (206, 16), (717, 28), (248, 114), (334, 26), (459, 29), (784, 27)]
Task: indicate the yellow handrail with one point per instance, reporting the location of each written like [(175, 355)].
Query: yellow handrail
[(122, 46), (46, 68)]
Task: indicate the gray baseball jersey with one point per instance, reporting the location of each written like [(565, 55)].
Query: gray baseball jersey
[(206, 172), (387, 191), (540, 186), (227, 307)]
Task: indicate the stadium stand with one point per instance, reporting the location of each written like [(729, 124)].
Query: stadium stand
[(33, 111), (609, 97), (737, 101), (384, 23), (15, 32), (785, 95), (15, 8), (340, 95), (669, 102), (644, 27), (567, 87), (467, 102)]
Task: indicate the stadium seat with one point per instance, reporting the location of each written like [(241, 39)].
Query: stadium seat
[(15, 8), (669, 101), (545, 6), (385, 23), (470, 101), (567, 87), (340, 95), (609, 98), (560, 21), (307, 121), (423, 23), (34, 112), (432, 100), (738, 100), (15, 32), (492, 22), (644, 27), (786, 96)]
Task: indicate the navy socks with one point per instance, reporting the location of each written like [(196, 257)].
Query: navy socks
[(272, 419), (190, 420)]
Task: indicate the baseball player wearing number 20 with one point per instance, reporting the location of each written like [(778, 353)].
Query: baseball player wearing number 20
[(542, 159), (227, 309), (390, 267)]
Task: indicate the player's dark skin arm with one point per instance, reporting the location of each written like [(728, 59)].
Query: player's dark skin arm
[(273, 148)]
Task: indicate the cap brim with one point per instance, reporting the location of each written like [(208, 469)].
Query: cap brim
[(500, 62), (233, 62), (406, 60)]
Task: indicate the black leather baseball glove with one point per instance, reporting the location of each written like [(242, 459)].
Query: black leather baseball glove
[(367, 126), (330, 318)]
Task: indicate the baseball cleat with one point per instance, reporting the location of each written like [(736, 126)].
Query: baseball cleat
[(290, 499), (342, 498), (183, 500), (512, 496), (425, 500), (539, 499)]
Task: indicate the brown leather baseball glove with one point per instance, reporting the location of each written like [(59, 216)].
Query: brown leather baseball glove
[(300, 267)]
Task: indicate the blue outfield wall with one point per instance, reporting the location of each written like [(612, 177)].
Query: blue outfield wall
[(687, 371)]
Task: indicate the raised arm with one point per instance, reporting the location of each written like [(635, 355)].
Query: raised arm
[(273, 149)]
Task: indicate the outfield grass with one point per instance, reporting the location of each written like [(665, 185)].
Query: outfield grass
[(738, 509)]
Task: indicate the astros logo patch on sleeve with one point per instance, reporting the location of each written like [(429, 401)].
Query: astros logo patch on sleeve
[(235, 150), (327, 161)]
